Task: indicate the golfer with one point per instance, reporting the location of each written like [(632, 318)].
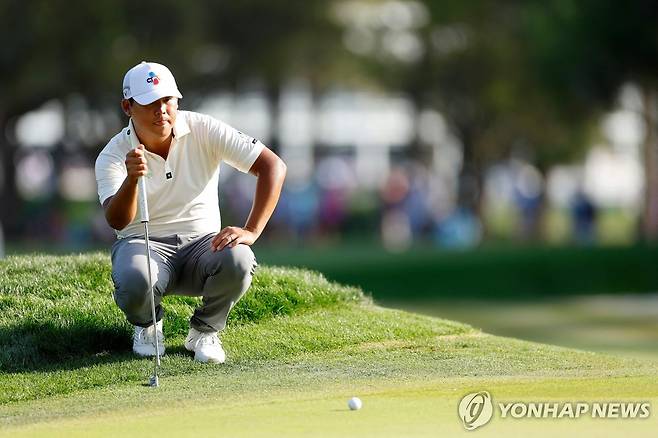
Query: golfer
[(179, 153)]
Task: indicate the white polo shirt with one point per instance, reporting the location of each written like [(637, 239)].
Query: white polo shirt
[(181, 190)]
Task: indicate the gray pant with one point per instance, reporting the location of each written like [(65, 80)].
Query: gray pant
[(181, 265)]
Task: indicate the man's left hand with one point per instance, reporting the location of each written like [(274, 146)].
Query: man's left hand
[(231, 236)]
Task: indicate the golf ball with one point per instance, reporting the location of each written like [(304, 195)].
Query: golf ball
[(354, 403)]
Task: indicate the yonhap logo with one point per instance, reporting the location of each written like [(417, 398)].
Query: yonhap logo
[(476, 409)]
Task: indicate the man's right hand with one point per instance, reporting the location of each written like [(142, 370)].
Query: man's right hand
[(121, 208), (136, 163)]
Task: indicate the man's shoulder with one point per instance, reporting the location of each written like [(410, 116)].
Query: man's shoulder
[(197, 120)]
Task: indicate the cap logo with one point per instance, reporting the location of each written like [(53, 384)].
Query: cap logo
[(126, 92), (153, 78)]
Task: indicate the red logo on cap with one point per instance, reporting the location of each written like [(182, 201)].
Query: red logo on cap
[(153, 78)]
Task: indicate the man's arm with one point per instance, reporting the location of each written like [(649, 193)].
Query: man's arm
[(270, 171), (121, 208)]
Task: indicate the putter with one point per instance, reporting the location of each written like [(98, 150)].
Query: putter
[(144, 214)]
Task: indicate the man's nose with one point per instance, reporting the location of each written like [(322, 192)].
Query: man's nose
[(162, 107)]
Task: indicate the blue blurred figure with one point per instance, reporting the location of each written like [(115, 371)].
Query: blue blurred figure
[(583, 212)]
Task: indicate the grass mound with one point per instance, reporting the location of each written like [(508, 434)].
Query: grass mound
[(55, 309)]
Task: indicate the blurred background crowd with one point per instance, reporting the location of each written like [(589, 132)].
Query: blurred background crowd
[(445, 122)]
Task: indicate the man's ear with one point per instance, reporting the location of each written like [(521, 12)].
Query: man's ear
[(125, 106)]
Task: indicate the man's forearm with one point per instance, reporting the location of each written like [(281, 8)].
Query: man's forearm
[(122, 207), (268, 190)]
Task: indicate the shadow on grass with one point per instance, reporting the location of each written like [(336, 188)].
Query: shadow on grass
[(31, 346)]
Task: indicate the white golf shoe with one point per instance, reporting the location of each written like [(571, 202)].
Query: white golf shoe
[(206, 346), (143, 340)]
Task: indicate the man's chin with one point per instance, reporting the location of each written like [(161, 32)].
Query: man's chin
[(163, 130)]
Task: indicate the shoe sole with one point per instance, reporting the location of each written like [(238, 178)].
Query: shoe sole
[(209, 360)]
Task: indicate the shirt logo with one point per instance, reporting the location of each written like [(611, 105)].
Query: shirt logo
[(246, 138), (153, 78)]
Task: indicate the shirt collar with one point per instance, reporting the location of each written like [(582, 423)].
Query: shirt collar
[(181, 128), (132, 136)]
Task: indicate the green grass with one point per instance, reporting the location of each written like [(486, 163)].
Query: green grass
[(55, 309), (622, 324), (489, 272), (298, 346)]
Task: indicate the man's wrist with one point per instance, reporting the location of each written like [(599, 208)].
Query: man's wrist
[(252, 229)]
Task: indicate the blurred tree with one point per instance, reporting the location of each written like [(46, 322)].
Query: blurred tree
[(530, 77), (472, 67), (582, 51), (475, 72)]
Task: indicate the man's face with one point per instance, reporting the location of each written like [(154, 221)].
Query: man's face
[(155, 119)]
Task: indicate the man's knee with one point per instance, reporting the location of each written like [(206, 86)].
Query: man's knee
[(239, 263), (131, 290)]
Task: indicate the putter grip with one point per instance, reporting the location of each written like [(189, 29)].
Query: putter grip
[(141, 199)]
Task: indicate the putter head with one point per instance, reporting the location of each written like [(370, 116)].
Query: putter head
[(154, 382)]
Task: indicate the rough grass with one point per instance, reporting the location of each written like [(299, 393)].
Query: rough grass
[(55, 309)]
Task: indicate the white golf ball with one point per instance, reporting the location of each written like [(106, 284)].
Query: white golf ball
[(354, 403)]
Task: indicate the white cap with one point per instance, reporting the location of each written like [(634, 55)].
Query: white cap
[(149, 81)]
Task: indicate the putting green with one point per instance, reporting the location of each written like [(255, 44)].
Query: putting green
[(393, 408)]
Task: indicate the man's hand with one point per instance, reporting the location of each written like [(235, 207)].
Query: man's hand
[(121, 208), (231, 236), (136, 163)]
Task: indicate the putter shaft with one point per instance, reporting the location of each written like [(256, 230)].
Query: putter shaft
[(144, 214), (150, 285)]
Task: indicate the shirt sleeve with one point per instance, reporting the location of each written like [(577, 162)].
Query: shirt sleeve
[(232, 146), (110, 173)]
